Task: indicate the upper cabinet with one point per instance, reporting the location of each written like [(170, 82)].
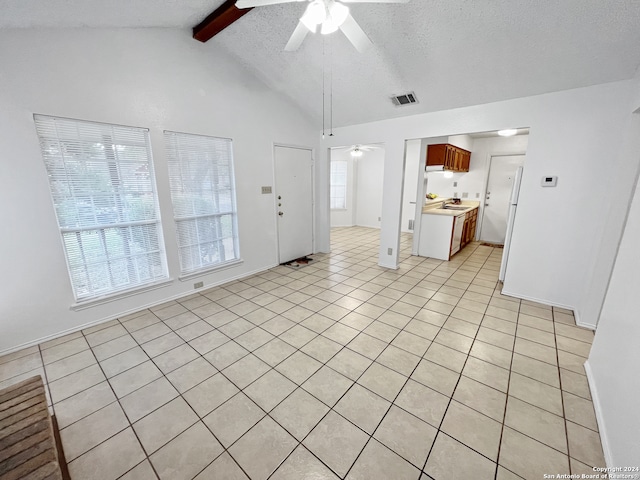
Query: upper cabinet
[(451, 157)]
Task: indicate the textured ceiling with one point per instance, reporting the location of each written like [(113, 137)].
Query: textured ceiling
[(452, 53), (104, 13)]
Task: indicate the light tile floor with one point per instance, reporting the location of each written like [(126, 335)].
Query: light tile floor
[(341, 369)]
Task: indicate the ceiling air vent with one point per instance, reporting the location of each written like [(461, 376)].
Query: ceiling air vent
[(405, 99)]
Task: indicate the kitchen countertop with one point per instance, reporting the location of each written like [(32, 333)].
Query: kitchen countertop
[(432, 207)]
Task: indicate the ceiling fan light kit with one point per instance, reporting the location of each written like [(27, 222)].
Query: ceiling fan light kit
[(330, 15), (314, 15)]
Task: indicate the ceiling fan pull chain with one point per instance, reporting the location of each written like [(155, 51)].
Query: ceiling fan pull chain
[(323, 62)]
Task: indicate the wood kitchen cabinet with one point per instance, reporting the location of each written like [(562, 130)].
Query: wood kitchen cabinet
[(469, 229), (451, 157)]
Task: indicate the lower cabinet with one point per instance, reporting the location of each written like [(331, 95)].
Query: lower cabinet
[(442, 236), (469, 229)]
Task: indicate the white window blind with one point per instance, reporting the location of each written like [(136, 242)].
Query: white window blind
[(338, 194), (103, 189), (204, 200)]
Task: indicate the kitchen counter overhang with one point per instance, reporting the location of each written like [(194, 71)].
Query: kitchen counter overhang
[(434, 207)]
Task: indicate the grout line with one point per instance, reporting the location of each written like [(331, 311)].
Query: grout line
[(353, 259), (564, 412), (439, 428), (506, 403), (123, 411)]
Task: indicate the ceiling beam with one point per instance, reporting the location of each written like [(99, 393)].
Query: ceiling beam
[(217, 21)]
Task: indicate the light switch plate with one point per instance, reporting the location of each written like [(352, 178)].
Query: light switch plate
[(549, 181)]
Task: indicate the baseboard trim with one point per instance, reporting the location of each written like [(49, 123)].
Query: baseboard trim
[(132, 310), (608, 458), (582, 324), (576, 314)]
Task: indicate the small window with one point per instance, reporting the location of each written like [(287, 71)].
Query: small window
[(338, 195), (204, 200), (104, 194)]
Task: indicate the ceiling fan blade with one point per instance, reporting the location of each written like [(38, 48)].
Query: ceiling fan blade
[(297, 37), (355, 34), (375, 1), (262, 3)]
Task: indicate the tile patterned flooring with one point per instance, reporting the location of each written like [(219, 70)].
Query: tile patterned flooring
[(341, 369)]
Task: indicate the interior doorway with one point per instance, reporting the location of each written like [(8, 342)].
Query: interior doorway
[(294, 202), (357, 173), (495, 214)]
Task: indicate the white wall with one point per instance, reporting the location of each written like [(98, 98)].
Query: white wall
[(557, 231), (461, 141), (364, 189), (413, 168), (368, 189), (617, 184), (474, 182), (155, 78), (614, 361)]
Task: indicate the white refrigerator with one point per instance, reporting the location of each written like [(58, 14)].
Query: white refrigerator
[(513, 205)]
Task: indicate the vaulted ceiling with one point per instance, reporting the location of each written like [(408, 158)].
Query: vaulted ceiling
[(451, 53)]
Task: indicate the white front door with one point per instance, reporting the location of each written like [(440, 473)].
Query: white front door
[(294, 202), (502, 170)]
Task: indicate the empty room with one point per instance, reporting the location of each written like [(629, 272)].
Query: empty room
[(319, 239)]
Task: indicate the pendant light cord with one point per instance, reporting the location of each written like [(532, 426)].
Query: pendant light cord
[(323, 75), (331, 87)]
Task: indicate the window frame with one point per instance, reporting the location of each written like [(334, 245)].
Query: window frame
[(173, 163), (344, 186), (74, 151)]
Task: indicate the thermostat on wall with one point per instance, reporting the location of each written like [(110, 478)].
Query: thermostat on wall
[(549, 181)]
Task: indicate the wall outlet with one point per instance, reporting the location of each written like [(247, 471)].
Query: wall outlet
[(389, 251), (465, 194), (455, 194), (379, 218), (455, 184), (266, 190), (198, 285), (477, 195)]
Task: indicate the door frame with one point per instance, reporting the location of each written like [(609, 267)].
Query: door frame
[(486, 185), (313, 194)]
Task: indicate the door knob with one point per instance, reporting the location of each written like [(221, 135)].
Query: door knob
[(280, 213)]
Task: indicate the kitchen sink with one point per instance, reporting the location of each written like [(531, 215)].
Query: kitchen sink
[(451, 207)]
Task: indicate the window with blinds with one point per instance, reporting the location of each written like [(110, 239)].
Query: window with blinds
[(103, 189), (338, 186), (204, 200)]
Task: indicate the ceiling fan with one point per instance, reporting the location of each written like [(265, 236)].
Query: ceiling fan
[(328, 15), (358, 150)]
